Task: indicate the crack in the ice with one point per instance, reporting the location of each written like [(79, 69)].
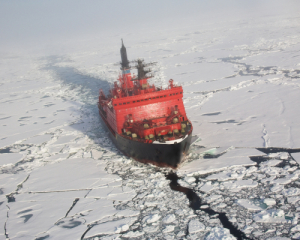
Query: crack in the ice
[(10, 197), (68, 190), (101, 221), (195, 204), (296, 163), (73, 205), (88, 229), (87, 193), (5, 229)]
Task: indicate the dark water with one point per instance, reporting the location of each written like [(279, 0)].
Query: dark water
[(196, 203)]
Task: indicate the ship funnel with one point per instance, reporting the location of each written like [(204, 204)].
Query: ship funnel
[(125, 62)]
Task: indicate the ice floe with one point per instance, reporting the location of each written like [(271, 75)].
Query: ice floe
[(62, 178)]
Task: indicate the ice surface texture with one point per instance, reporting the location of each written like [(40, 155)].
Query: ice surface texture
[(61, 177)]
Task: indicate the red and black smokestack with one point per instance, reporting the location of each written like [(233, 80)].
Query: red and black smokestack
[(125, 62)]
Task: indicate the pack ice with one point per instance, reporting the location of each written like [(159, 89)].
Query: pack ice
[(62, 178)]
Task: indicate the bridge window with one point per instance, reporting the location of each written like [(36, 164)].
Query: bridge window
[(124, 103), (161, 96), (177, 93), (128, 102), (115, 104), (120, 103), (165, 95), (180, 92), (138, 100)]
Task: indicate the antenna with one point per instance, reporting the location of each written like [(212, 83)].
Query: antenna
[(140, 66)]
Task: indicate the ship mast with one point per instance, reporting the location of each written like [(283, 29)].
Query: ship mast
[(124, 64)]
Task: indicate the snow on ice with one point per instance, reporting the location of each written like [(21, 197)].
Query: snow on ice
[(62, 178)]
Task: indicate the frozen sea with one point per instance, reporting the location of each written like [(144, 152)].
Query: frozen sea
[(62, 178)]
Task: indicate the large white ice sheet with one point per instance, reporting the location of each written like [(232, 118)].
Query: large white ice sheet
[(235, 157), (61, 177)]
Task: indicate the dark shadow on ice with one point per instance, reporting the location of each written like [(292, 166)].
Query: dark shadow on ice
[(43, 237), (68, 223), (211, 114), (259, 159), (73, 224), (226, 121), (283, 162), (87, 90), (277, 150), (70, 76), (10, 197), (196, 203), (25, 211), (27, 217), (208, 155), (5, 150)]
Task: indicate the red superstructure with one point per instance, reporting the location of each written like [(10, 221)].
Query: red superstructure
[(140, 112)]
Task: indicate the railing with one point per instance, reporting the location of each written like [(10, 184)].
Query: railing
[(151, 97)]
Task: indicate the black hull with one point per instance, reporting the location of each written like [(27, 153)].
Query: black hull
[(162, 155)]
